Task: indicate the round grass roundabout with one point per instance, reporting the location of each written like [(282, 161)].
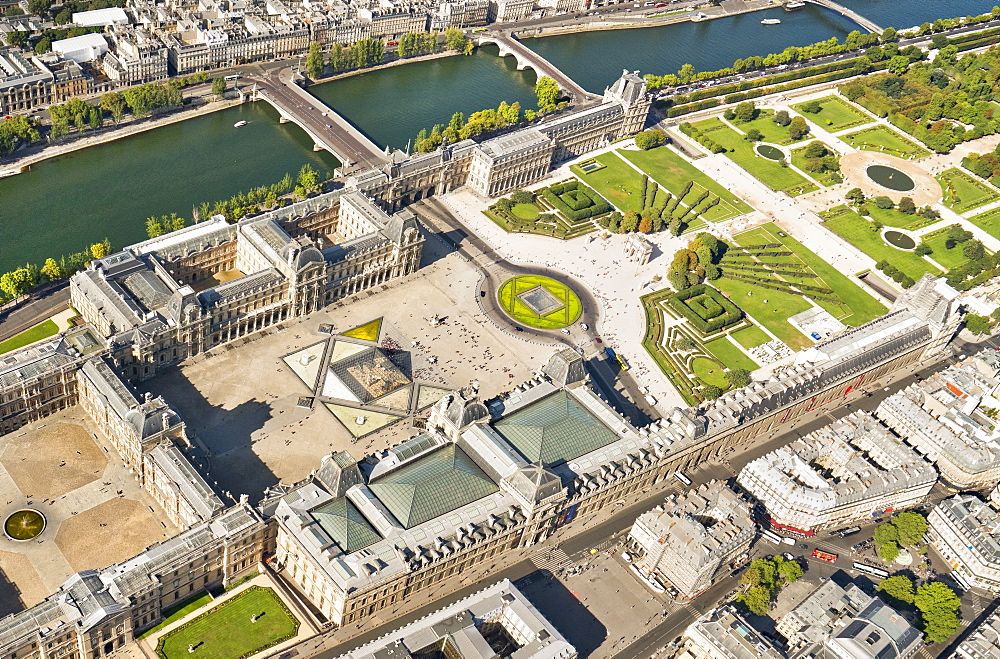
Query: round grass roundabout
[(24, 525), (540, 302)]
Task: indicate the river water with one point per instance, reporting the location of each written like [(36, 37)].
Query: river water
[(109, 190)]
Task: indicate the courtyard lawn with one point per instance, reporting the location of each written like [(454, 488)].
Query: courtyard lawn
[(723, 350), (771, 131), (710, 371), (883, 139), (825, 179), (617, 182), (988, 222), (742, 152), (672, 172), (949, 258), (769, 308), (226, 632), (179, 611), (836, 115), (518, 309), (962, 192), (40, 331), (857, 308), (750, 337), (859, 232), (893, 218)]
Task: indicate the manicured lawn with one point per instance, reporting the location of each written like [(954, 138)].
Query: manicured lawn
[(880, 138), (769, 308), (175, 613), (27, 337), (617, 182), (750, 337), (823, 178), (857, 307), (893, 218), (743, 154), (949, 258), (988, 222), (710, 371), (516, 308), (672, 172), (963, 193), (837, 114), (226, 632), (525, 211), (723, 350), (771, 131), (859, 232)]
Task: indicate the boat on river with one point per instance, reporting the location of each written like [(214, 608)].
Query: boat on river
[(239, 124), (770, 21), (792, 6)]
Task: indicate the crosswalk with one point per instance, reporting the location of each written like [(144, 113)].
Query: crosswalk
[(552, 560)]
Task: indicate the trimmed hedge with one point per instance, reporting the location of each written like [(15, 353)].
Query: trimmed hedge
[(575, 201), (707, 309)]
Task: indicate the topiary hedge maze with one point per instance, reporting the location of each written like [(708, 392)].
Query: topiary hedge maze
[(761, 266), (707, 309), (575, 201)]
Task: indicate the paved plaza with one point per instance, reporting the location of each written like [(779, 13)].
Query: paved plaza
[(241, 403), (96, 513)]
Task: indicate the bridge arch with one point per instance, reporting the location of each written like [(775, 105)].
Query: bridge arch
[(854, 16)]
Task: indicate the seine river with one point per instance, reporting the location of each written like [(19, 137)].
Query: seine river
[(109, 190)]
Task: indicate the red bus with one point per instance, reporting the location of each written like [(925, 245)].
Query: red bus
[(823, 556)]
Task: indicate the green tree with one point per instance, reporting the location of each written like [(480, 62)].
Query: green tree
[(737, 377), (13, 10), (710, 391), (39, 7), (898, 64), (797, 128), (308, 179), (753, 135), (17, 38), (454, 39), (63, 17), (907, 206), (218, 86), (938, 606), (757, 600), (889, 34), (898, 587), (17, 282), (547, 91), (910, 528), (114, 103), (781, 118), (51, 270), (683, 343), (789, 571), (649, 139), (815, 149), (811, 107), (630, 222), (314, 60), (888, 551), (978, 324), (744, 112)]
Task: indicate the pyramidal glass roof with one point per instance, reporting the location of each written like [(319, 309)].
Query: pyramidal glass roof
[(554, 429), (433, 485), (345, 524)]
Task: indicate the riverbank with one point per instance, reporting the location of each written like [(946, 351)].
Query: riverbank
[(34, 155), (596, 24)]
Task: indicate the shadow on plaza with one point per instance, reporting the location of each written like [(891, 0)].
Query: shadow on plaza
[(232, 465), (564, 610), (10, 597)]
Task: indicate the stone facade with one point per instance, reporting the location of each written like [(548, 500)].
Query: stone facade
[(838, 475), (690, 539), (965, 531), (96, 613)]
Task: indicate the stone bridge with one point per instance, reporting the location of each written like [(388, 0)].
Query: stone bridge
[(328, 130), (853, 15), (529, 59)]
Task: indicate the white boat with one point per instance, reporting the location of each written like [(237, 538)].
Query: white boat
[(770, 21), (792, 6), (239, 124)]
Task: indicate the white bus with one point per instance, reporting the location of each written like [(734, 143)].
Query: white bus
[(773, 537), (682, 478), (868, 569)]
